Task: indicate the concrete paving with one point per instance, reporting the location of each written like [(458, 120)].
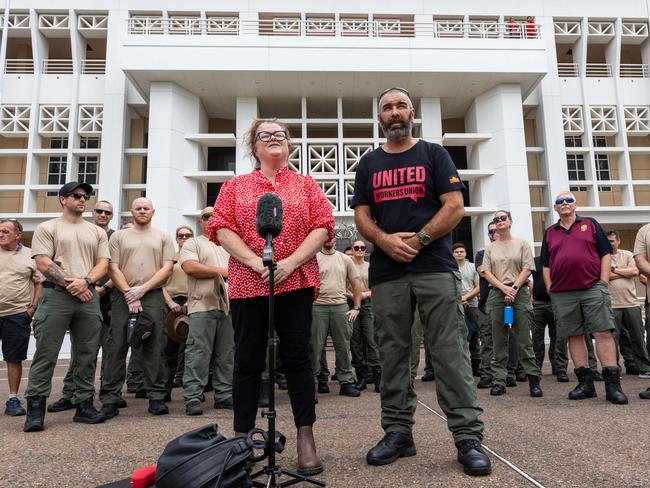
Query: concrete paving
[(554, 441)]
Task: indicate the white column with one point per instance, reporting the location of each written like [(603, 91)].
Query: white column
[(499, 113), (173, 113), (246, 112), (431, 116)]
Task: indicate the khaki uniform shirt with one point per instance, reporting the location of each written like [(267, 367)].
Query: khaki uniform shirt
[(211, 293), (140, 254), (335, 272), (76, 248), (18, 274), (362, 269), (623, 290), (642, 246), (177, 282), (506, 259)]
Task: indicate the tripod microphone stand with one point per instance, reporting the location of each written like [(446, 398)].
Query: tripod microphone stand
[(272, 470)]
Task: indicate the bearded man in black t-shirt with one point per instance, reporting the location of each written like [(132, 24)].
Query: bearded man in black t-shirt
[(407, 200)]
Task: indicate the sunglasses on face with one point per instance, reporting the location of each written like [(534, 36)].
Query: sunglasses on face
[(561, 200), (183, 236), (103, 212), (359, 248), (500, 218), (492, 231), (78, 196), (278, 135), (206, 216)]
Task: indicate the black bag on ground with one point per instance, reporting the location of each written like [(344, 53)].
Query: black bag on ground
[(203, 458)]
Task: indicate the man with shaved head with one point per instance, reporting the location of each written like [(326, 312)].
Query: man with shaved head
[(576, 256), (141, 262), (211, 338)]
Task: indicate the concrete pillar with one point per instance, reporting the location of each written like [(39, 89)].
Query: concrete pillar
[(174, 112), (431, 115), (246, 112), (499, 113)]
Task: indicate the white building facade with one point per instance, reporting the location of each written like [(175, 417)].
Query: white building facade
[(154, 98)]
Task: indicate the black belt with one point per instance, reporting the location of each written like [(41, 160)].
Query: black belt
[(495, 288), (49, 284)]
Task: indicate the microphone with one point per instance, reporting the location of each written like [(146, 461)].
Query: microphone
[(268, 219)]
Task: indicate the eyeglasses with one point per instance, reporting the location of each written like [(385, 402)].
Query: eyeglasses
[(206, 216), (183, 236), (561, 200), (359, 248), (278, 135), (500, 218), (102, 212), (78, 196)]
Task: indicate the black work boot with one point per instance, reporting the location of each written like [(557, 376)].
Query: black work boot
[(511, 381), (157, 407), (376, 378), (394, 445), (585, 388), (348, 389), (470, 454), (361, 379), (613, 392), (533, 386), (87, 414), (110, 410), (60, 405), (485, 382), (35, 420)]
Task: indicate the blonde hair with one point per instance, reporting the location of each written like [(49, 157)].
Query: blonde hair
[(252, 134)]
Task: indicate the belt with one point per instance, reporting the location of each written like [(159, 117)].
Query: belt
[(49, 284), (494, 288)]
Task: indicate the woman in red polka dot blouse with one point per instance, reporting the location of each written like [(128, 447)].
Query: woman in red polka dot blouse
[(306, 224)]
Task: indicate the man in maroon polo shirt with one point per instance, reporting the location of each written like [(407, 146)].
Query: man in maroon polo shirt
[(576, 259)]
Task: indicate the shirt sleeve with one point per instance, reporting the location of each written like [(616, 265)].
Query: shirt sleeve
[(478, 259), (43, 242), (475, 276), (602, 244), (114, 247), (527, 259), (543, 254), (224, 211), (446, 177), (103, 252), (351, 269), (640, 246), (168, 254), (320, 209), (486, 265), (360, 195), (189, 252)]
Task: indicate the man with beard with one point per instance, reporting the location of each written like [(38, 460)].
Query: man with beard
[(330, 313), (407, 199), (72, 254), (141, 262)]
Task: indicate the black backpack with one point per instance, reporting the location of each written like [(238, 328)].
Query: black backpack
[(203, 458)]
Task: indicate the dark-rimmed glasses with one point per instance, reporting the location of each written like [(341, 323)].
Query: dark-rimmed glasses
[(78, 196), (500, 218), (206, 216), (561, 200), (359, 248), (183, 236), (103, 212), (278, 135)]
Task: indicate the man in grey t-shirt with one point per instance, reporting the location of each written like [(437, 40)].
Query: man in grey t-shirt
[(470, 290)]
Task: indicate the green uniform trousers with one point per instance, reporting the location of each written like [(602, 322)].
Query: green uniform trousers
[(58, 311), (629, 326), (362, 344), (557, 351), (438, 298), (501, 336), (417, 338), (487, 348), (153, 357), (332, 318), (210, 342)]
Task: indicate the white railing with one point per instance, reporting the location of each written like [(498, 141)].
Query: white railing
[(633, 29), (568, 70), (53, 21), (598, 70), (58, 66), (634, 71), (344, 27), (600, 28), (93, 66), (17, 66), (92, 22), (16, 21), (567, 28)]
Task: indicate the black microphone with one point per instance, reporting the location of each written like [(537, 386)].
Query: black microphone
[(268, 219)]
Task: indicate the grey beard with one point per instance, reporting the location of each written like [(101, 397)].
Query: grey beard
[(397, 134)]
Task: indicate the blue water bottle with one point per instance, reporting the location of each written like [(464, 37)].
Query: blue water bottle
[(508, 316)]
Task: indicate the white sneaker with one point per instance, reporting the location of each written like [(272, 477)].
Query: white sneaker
[(644, 375)]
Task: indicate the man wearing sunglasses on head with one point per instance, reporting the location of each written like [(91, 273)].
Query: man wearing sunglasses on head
[(73, 255), (577, 262)]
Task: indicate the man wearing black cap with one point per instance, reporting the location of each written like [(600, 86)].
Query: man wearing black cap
[(72, 254)]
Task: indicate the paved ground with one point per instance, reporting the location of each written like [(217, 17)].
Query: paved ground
[(556, 442)]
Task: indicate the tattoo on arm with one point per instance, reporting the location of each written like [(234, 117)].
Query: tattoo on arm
[(55, 274)]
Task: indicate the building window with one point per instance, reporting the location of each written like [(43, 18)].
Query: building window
[(573, 141), (88, 169), (57, 166), (599, 141), (602, 170), (89, 142), (576, 170)]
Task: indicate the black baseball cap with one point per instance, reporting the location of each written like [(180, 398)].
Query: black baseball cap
[(72, 186)]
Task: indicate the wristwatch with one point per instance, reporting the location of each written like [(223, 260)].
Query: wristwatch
[(356, 307), (425, 239), (88, 281), (613, 269), (515, 287)]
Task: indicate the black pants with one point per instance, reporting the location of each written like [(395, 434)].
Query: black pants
[(293, 327)]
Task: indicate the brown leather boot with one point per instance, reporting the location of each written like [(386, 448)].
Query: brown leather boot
[(308, 461)]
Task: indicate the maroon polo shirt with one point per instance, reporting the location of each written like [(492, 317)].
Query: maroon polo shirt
[(573, 255)]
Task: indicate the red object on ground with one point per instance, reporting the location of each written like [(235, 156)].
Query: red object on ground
[(143, 477)]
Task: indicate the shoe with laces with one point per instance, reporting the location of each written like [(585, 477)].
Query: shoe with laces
[(14, 408), (394, 445), (475, 462), (644, 374)]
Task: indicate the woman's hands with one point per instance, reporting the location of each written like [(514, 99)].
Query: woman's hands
[(283, 269)]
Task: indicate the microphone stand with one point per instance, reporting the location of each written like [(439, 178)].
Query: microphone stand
[(273, 470)]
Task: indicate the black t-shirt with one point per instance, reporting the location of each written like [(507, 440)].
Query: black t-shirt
[(483, 283), (402, 191), (539, 287)]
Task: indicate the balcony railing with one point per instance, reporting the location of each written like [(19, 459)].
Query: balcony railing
[(19, 66), (58, 66), (568, 70), (344, 27), (634, 71), (598, 70), (93, 66)]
